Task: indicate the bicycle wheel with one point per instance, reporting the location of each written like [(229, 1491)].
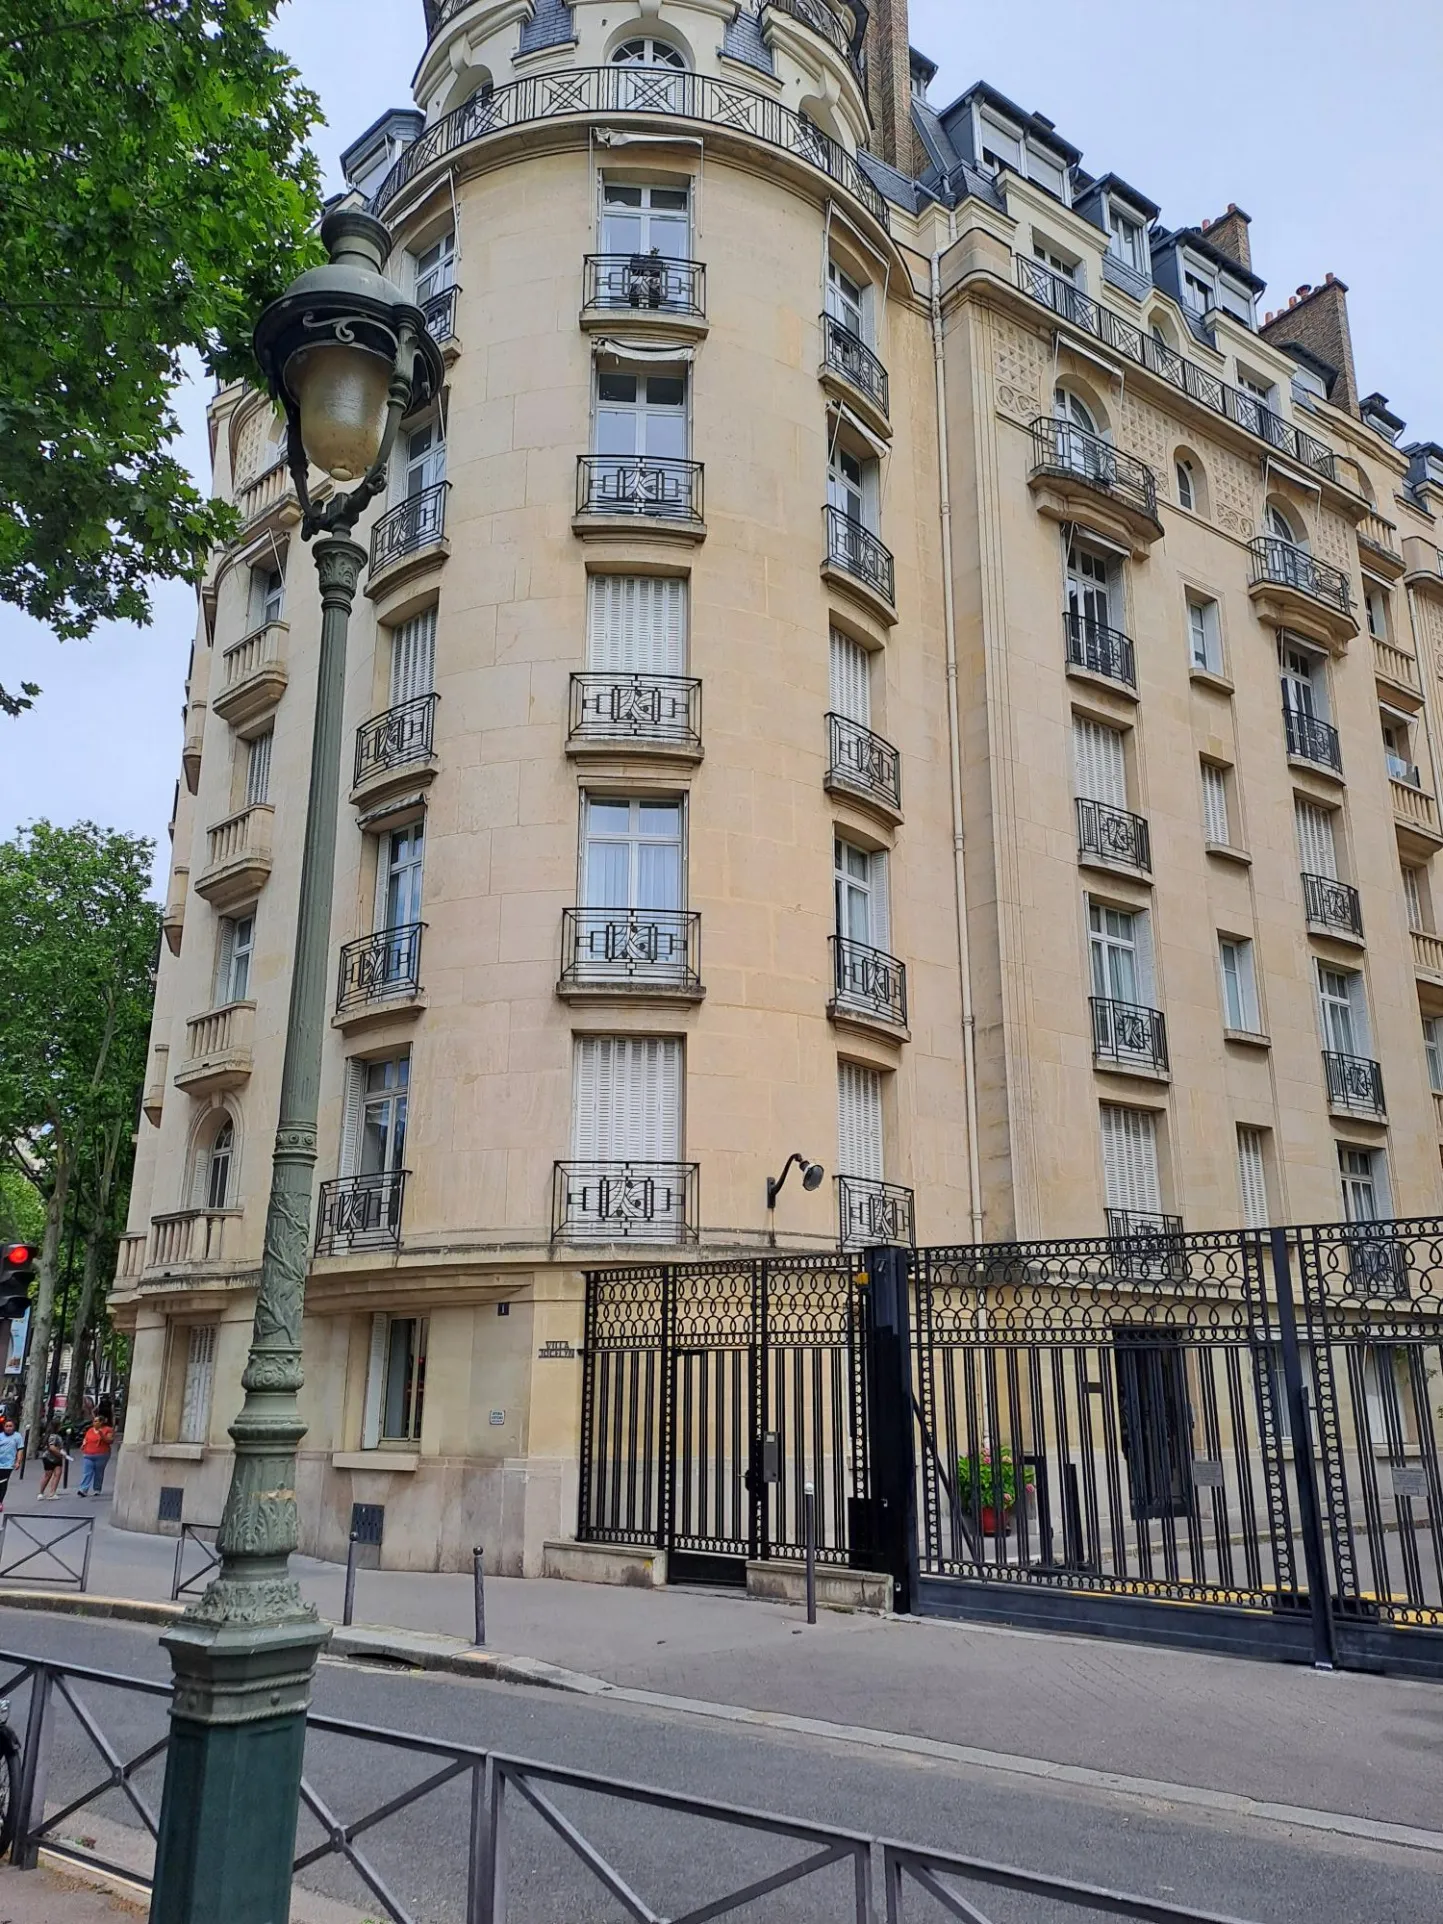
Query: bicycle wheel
[(9, 1787)]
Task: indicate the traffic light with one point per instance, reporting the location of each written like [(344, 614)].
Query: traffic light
[(17, 1272)]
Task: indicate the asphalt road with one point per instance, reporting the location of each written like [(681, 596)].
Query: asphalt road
[(1248, 1868)]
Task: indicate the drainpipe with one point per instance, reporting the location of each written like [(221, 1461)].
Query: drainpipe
[(954, 739)]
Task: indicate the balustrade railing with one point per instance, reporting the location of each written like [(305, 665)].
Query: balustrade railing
[(861, 761), (868, 981), (250, 654), (245, 835), (1331, 904), (631, 948), (644, 283), (858, 552), (624, 1201), (403, 735), (1060, 448), (655, 92), (847, 354), (1427, 952), (219, 1031), (1312, 740), (1354, 1082), (360, 1212), (1099, 649), (1396, 665), (263, 492), (1415, 806), (380, 967), (1128, 1034), (870, 1211), (661, 709), (644, 484), (1375, 532), (1111, 834), (1285, 565), (189, 1236), (416, 523)]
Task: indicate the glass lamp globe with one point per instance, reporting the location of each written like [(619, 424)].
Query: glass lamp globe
[(340, 392)]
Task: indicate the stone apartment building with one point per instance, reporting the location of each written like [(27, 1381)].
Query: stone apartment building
[(885, 650)]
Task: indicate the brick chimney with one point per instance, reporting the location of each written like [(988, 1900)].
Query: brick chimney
[(889, 84), (1230, 235), (1317, 318)]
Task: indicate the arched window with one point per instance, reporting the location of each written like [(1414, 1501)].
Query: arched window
[(217, 1164), (1070, 408), (1280, 527), (648, 52), (1077, 443), (1186, 492)]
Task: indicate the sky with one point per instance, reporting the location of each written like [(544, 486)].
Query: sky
[(1318, 117)]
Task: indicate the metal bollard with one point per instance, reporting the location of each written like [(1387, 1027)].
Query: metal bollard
[(809, 1507), (348, 1607), (480, 1581)]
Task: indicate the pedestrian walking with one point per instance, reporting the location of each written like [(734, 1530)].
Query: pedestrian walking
[(95, 1452), (53, 1459), (9, 1453)]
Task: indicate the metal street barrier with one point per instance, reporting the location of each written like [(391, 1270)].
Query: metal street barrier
[(51, 1542), (201, 1536)]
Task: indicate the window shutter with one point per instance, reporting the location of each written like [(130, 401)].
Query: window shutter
[(1413, 898), (1316, 848), (258, 769), (1252, 1182), (199, 1376), (636, 625), (1129, 1159), (1098, 763), (350, 1160), (880, 904), (225, 960), (375, 1383), (1215, 804), (859, 1121), (413, 658), (1142, 945), (627, 1099), (851, 680)]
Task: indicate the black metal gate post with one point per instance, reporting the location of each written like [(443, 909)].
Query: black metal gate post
[(890, 1451), (1320, 1605)]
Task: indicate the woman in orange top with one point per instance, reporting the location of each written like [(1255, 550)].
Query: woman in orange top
[(95, 1453)]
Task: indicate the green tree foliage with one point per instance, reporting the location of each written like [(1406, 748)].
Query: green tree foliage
[(22, 1207), (78, 941), (155, 192)]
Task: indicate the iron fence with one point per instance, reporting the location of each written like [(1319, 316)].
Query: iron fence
[(636, 708), (1129, 1034), (1099, 649), (1354, 1082), (1331, 904), (360, 1212), (638, 949), (868, 981), (1060, 448), (1111, 835), (624, 1201), (949, 1881), (1312, 740), (399, 738), (649, 484), (847, 354), (194, 1537), (858, 552), (651, 283), (418, 522), (47, 1549), (380, 967), (1289, 566), (863, 763)]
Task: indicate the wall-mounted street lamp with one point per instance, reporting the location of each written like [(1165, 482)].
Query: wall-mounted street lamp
[(813, 1176), (348, 357)]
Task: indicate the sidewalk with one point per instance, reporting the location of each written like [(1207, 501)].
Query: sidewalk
[(1370, 1747)]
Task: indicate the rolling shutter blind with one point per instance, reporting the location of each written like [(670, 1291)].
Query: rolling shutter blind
[(1129, 1159), (258, 769), (880, 901), (851, 680), (1316, 848), (413, 658), (1215, 804), (636, 625), (199, 1376), (859, 1121), (1412, 896), (351, 1118), (1252, 1184), (375, 1383), (1098, 764), (627, 1099)]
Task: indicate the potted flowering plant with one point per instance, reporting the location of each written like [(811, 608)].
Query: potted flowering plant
[(989, 1480)]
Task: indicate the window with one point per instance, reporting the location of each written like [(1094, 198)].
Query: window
[(1239, 984), (1252, 1177), (1216, 826), (1376, 602), (436, 268), (859, 1122), (860, 879), (1416, 898), (398, 877), (1364, 1177), (641, 414), (413, 658), (1000, 147), (424, 461), (1398, 748), (1046, 172), (1257, 385), (648, 52), (1317, 849), (1130, 1179), (1341, 1009), (217, 1167), (636, 624), (1186, 490), (1304, 690), (1198, 292), (268, 596), (1205, 638), (1280, 528), (1069, 407), (373, 1133), (631, 854), (1090, 583), (1121, 964), (1433, 1050), (851, 679), (233, 958), (1098, 763), (258, 769), (846, 301), (1055, 263), (1076, 439), (645, 220), (395, 1381), (627, 1108), (1128, 241), (199, 1381), (852, 486)]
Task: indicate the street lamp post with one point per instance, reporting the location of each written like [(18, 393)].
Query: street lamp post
[(347, 356)]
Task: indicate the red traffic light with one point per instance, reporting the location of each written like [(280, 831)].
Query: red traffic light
[(19, 1255)]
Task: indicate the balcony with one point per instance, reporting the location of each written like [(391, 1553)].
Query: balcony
[(1396, 672), (655, 953), (624, 1202), (1355, 1084), (669, 296), (190, 748), (1377, 1262), (152, 1100), (1128, 1036), (439, 313), (270, 494), (130, 1256), (1378, 546), (187, 1237), (1332, 907), (817, 15), (639, 493), (411, 531), (863, 767), (360, 1212), (1313, 742), (218, 1049), (1078, 477), (395, 751), (1147, 1246), (1099, 650), (1110, 837), (852, 371), (1427, 955), (1415, 812), (1291, 589), (172, 919), (872, 1212), (379, 974), (630, 714), (869, 985), (253, 675), (857, 561), (238, 857)]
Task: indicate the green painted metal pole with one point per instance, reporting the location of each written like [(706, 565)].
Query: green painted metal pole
[(244, 1655)]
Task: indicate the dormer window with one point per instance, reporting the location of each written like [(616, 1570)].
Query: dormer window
[(1199, 292), (1002, 146), (1128, 241)]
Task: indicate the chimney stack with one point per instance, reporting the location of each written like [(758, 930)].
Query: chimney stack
[(1317, 318), (1230, 235), (889, 84)]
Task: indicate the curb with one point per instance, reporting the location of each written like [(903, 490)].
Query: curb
[(77, 1604)]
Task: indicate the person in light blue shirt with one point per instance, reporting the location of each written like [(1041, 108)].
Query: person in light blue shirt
[(9, 1454)]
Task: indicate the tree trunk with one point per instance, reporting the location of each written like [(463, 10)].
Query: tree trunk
[(43, 1313), (80, 1327)]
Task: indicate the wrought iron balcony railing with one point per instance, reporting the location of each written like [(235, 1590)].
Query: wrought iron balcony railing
[(871, 1212), (869, 981), (649, 484), (1060, 448), (397, 738), (419, 521), (360, 1212), (1137, 344), (623, 1201), (644, 283), (1128, 1034), (380, 967), (1099, 649), (662, 709), (863, 762), (631, 948), (582, 92), (858, 552), (1113, 834), (1147, 1245), (847, 354), (821, 19), (1331, 904), (439, 313), (1354, 1082), (1377, 1261), (1312, 740), (1287, 566)]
